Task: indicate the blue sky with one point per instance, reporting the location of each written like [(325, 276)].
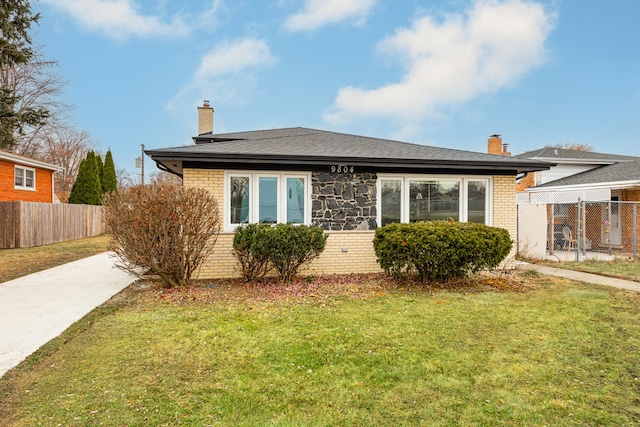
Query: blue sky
[(443, 72)]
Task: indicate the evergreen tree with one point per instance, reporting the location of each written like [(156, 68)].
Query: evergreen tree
[(109, 180), (87, 189), (99, 168), (15, 49)]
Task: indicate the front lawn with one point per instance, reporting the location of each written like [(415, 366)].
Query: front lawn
[(354, 353), (623, 269), (19, 262)]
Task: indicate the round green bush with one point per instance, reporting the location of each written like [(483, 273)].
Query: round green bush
[(440, 250)]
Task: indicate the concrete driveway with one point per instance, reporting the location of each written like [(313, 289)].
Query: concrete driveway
[(37, 308)]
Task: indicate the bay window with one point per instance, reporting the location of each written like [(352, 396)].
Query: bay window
[(266, 198), (425, 198)]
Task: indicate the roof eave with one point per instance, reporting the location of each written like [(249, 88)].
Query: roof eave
[(518, 166), (21, 160), (579, 161)]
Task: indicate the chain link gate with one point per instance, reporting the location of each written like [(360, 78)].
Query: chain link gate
[(593, 230)]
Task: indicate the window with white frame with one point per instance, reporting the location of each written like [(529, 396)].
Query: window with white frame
[(266, 197), (24, 178), (425, 198)]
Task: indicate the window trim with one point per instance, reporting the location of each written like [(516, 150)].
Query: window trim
[(463, 212), (254, 180), (24, 185)]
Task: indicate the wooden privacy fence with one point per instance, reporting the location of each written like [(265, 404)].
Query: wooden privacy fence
[(27, 224)]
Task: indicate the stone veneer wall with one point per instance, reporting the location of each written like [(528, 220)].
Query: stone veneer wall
[(344, 201)]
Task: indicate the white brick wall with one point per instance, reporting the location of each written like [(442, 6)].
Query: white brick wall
[(346, 251)]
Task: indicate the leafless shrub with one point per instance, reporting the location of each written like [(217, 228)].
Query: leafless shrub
[(167, 230)]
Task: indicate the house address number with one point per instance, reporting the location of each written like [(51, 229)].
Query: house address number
[(342, 169)]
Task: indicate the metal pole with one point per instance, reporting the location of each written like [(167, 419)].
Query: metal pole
[(584, 228), (635, 230), (552, 228), (142, 164), (609, 226), (578, 232)]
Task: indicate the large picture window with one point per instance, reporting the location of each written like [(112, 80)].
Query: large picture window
[(24, 178), (268, 198), (426, 198), (438, 199)]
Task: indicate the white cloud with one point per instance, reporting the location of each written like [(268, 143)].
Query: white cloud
[(318, 13), (226, 73), (121, 19), (450, 62), (232, 58)]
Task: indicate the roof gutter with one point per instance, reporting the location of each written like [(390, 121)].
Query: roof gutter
[(521, 167), (616, 185)]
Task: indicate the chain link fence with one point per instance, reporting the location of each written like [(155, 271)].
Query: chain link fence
[(579, 231)]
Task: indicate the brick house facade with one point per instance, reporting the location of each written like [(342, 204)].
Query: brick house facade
[(26, 179), (346, 184)]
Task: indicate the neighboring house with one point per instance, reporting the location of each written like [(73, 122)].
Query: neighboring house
[(346, 184), (591, 177), (25, 179), (584, 174)]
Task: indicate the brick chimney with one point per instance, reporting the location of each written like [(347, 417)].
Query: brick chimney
[(205, 118), (495, 146)]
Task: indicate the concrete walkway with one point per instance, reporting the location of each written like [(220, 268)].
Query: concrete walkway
[(584, 277), (37, 308)]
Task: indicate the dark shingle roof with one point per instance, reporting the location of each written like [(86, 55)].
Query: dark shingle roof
[(618, 172), (312, 146), (560, 154)]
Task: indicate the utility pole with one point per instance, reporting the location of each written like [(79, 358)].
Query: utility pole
[(140, 164)]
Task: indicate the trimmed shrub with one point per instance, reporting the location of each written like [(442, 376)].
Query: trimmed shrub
[(439, 250), (293, 247), (283, 247), (251, 245)]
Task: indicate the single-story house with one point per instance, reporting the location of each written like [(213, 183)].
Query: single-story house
[(25, 179), (346, 184)]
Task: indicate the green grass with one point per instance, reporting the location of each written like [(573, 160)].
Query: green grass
[(623, 269), (19, 262), (561, 354)]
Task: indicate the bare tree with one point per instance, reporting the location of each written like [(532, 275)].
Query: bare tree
[(36, 87), (573, 146), (161, 177), (125, 180), (66, 148)]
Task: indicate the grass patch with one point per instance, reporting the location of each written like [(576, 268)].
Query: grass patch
[(340, 352), (622, 269), (19, 262)]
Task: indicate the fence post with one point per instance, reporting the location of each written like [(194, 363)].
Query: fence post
[(584, 228), (578, 231), (609, 221), (635, 230), (551, 232)]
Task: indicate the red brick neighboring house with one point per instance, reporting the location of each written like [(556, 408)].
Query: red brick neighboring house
[(25, 179)]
